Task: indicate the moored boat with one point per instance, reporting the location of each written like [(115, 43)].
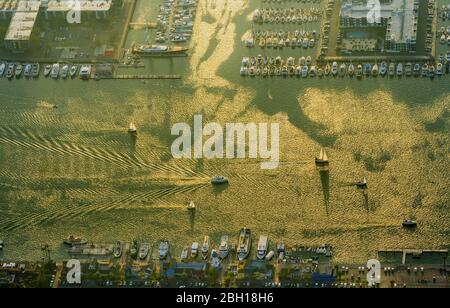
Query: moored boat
[(158, 50), (73, 70), (244, 244), (144, 251), (74, 241), (47, 70), (205, 247), (163, 250), (263, 244), (223, 248), (117, 250)]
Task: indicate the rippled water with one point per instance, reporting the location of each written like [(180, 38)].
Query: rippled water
[(75, 170)]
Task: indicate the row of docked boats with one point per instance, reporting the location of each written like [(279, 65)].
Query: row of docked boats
[(10, 70), (276, 66), (242, 249), (301, 39), (287, 15), (33, 70)]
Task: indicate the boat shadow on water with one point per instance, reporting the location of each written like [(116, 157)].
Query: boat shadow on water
[(133, 143), (325, 181), (366, 201), (192, 220), (218, 189)]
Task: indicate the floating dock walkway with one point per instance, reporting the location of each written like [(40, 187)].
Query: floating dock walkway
[(140, 77)]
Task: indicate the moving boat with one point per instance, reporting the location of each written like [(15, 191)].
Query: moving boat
[(163, 250), (47, 70), (263, 244), (322, 160), (74, 241), (205, 247), (409, 223), (117, 250), (217, 180), (244, 244), (158, 50), (191, 205), (362, 184), (134, 249), (144, 250), (194, 250), (223, 248), (132, 129)]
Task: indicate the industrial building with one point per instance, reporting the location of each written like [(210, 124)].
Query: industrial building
[(23, 15), (399, 19)]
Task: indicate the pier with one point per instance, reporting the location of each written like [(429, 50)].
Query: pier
[(142, 25), (418, 252), (140, 77)]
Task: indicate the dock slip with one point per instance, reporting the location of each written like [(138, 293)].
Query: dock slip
[(140, 77)]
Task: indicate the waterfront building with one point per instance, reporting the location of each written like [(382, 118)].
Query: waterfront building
[(398, 18), (23, 15)]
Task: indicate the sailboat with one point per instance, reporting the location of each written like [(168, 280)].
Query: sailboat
[(132, 129), (322, 160), (191, 205), (362, 184)]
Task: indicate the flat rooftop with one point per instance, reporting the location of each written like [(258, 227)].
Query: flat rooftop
[(57, 5), (85, 5), (402, 16), (23, 20)]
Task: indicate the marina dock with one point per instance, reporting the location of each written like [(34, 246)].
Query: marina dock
[(141, 77)]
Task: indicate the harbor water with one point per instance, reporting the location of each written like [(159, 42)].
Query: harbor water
[(74, 169)]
